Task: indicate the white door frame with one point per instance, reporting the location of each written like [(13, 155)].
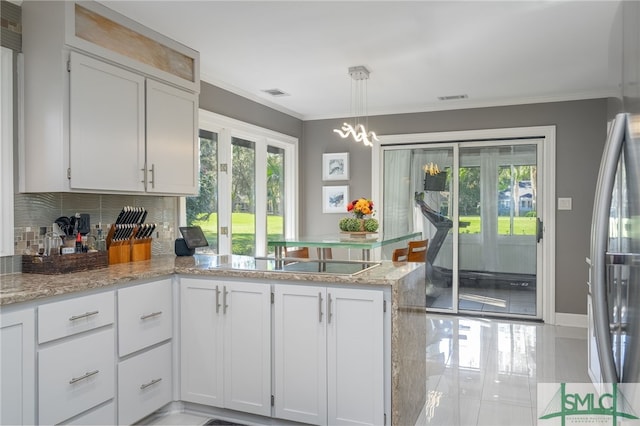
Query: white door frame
[(548, 177)]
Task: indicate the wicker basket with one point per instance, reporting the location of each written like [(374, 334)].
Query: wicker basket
[(64, 263)]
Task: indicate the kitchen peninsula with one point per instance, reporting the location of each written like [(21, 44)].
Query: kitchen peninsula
[(247, 340)]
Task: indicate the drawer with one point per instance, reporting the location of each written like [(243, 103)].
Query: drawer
[(144, 384), (105, 415), (75, 375), (144, 316), (68, 317)]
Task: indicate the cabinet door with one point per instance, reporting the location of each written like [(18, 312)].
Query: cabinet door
[(107, 126), (355, 356), (144, 315), (17, 368), (247, 347), (201, 341), (172, 147), (300, 353)]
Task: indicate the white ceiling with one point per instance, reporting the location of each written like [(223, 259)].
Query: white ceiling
[(496, 53)]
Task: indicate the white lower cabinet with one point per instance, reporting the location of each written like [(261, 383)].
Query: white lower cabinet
[(104, 415), (145, 315), (17, 367), (225, 330), (144, 384), (329, 355), (75, 375)]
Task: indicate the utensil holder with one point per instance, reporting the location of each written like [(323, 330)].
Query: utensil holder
[(141, 249), (129, 250)]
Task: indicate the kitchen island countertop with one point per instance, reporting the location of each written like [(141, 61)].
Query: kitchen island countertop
[(22, 287), (404, 282)]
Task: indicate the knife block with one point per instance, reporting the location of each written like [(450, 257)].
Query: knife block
[(129, 250), (141, 249)]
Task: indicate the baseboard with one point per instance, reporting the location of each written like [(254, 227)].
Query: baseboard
[(572, 320)]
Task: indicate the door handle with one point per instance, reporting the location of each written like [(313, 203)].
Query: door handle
[(217, 300), (539, 229)]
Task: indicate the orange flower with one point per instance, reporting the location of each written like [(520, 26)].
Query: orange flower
[(360, 207)]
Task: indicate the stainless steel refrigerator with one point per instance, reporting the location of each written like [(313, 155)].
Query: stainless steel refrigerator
[(615, 255)]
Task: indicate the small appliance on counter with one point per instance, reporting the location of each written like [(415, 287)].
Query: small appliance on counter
[(192, 238), (129, 238)]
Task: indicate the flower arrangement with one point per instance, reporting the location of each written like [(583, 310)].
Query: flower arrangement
[(360, 208)]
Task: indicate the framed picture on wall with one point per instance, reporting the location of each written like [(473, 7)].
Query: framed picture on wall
[(335, 199), (335, 166)]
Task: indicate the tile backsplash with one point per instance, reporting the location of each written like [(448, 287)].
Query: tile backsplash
[(35, 214)]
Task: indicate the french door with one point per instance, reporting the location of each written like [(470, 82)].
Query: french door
[(248, 182), (478, 204)]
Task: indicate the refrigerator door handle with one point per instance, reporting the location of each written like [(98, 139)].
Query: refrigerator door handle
[(599, 239)]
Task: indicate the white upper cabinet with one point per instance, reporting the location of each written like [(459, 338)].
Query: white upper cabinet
[(172, 151), (110, 106), (107, 140)]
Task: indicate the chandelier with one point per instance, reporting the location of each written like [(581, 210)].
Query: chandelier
[(359, 76)]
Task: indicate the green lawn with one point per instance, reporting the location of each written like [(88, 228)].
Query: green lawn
[(521, 225), (243, 228)]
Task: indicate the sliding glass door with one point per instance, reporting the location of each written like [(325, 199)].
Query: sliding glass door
[(497, 240), (476, 203)]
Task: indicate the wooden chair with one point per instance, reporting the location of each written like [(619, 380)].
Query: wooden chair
[(417, 251), (301, 252), (400, 254)]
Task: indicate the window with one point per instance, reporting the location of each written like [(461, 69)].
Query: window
[(247, 189)]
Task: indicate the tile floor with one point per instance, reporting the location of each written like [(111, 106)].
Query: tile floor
[(486, 371)]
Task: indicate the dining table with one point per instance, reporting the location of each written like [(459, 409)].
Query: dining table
[(363, 241)]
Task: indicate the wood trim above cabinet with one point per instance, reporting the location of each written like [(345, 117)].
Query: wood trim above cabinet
[(98, 30)]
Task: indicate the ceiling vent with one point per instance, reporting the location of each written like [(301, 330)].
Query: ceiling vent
[(275, 92), (452, 97)]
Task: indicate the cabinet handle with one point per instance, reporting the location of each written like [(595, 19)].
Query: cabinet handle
[(329, 314), (224, 299), (85, 376), (85, 315), (151, 315), (153, 176), (320, 306), (151, 383), (144, 176), (217, 300)]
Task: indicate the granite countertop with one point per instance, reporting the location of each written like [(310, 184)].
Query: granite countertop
[(18, 288)]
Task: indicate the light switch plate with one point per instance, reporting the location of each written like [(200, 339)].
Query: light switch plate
[(564, 203)]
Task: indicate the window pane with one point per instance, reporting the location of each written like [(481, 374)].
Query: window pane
[(243, 218), (469, 200), (275, 194), (202, 210)]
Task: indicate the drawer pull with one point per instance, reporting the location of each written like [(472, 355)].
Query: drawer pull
[(85, 315), (151, 315), (151, 383), (85, 376)]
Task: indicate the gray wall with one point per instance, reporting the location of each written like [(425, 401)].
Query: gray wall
[(223, 102), (580, 136)]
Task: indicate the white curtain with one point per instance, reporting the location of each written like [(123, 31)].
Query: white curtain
[(398, 215)]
